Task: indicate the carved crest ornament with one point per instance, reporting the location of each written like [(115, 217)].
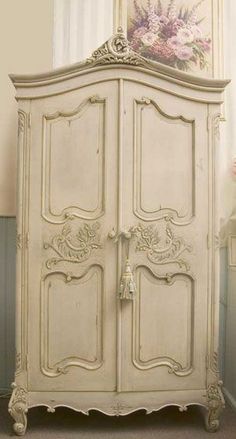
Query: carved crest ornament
[(117, 50)]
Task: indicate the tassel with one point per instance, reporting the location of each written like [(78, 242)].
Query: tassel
[(127, 284)]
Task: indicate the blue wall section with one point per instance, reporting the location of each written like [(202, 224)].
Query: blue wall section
[(7, 301)]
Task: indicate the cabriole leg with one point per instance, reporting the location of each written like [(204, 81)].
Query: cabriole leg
[(18, 409), (215, 406)]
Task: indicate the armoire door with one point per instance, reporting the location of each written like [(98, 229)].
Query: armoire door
[(164, 201), (72, 264)]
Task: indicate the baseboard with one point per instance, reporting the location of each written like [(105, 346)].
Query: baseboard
[(229, 398)]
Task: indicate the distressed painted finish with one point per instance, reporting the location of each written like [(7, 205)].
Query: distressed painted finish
[(124, 148)]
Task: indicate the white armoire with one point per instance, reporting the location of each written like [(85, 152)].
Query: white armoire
[(117, 238)]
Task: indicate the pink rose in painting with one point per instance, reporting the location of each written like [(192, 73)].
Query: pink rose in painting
[(135, 45), (149, 39), (185, 35), (174, 42), (154, 26), (179, 23), (205, 44), (196, 31), (138, 33), (184, 53), (163, 20), (153, 21), (162, 51)]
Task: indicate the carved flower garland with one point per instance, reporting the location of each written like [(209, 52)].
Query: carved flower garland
[(72, 247), (159, 250)]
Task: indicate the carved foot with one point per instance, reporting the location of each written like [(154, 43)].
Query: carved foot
[(18, 409), (215, 405), (212, 421)]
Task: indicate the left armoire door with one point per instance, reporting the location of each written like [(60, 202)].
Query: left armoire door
[(72, 263)]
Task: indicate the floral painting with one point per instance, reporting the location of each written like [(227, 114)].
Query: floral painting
[(171, 32)]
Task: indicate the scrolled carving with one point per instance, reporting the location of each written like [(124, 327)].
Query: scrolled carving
[(215, 402), (71, 247), (21, 122), (159, 250), (18, 361), (119, 408), (19, 241), (116, 50), (216, 125), (18, 409), (214, 363)]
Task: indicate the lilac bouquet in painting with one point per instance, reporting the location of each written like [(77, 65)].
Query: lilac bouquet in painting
[(169, 35)]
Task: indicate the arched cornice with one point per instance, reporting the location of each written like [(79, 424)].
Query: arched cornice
[(117, 52)]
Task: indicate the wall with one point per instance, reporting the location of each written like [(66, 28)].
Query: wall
[(26, 30), (26, 46), (228, 209)]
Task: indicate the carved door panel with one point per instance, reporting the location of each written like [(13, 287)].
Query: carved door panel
[(164, 199), (72, 265)]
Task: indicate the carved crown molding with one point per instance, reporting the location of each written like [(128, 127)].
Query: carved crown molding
[(116, 50)]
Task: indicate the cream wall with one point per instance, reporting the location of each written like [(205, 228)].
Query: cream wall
[(26, 40), (229, 195), (26, 46)]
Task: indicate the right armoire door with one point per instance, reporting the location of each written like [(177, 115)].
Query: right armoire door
[(164, 199)]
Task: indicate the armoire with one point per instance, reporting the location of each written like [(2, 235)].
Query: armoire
[(117, 238)]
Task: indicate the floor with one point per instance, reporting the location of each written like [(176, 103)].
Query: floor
[(166, 424)]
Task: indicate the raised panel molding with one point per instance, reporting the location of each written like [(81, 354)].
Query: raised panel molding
[(144, 361), (88, 161), (88, 295), (170, 177), (22, 238)]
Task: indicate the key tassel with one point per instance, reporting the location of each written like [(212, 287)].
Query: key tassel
[(127, 284)]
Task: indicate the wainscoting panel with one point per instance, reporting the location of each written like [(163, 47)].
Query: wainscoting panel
[(7, 301)]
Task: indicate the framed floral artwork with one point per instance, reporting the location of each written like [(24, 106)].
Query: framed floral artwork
[(184, 34)]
